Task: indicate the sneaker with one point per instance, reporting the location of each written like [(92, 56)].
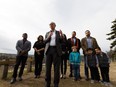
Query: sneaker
[(105, 83), (61, 76), (13, 81), (102, 82), (109, 84), (20, 79), (64, 76), (92, 81), (37, 76)]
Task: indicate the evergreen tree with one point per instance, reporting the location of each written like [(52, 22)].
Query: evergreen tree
[(112, 34)]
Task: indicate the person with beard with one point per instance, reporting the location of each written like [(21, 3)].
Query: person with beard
[(23, 47), (88, 42), (73, 41)]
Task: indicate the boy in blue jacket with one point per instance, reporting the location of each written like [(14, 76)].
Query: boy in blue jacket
[(75, 60)]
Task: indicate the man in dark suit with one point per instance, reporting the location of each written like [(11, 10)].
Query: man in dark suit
[(73, 41), (53, 53), (88, 42)]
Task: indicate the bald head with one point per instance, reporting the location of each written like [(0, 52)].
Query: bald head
[(87, 33), (52, 26)]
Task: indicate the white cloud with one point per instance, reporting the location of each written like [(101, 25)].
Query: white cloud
[(34, 16)]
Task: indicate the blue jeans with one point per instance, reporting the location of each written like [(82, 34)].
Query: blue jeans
[(76, 68)]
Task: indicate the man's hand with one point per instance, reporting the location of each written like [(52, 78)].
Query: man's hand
[(23, 52), (50, 34), (61, 32), (38, 52)]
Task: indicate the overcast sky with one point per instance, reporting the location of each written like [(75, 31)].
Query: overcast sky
[(34, 16)]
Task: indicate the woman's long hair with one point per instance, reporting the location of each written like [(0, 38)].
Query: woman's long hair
[(38, 39)]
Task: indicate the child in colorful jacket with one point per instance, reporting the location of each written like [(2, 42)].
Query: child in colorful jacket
[(75, 60)]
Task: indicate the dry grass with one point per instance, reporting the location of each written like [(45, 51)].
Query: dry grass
[(30, 81)]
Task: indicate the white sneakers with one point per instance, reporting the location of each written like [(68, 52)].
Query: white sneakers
[(62, 76), (108, 84)]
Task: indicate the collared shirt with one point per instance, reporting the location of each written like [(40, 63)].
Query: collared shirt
[(74, 39), (89, 42), (53, 39)]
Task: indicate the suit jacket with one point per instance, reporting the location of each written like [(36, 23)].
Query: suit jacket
[(58, 43), (23, 47), (84, 44), (70, 44)]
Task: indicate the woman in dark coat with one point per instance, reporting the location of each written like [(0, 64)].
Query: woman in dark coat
[(39, 55), (64, 57)]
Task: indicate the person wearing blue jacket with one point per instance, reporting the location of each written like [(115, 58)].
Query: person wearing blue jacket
[(75, 60)]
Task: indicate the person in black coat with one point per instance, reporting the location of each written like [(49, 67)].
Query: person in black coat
[(53, 53), (39, 46), (64, 57), (104, 64), (73, 41), (92, 63)]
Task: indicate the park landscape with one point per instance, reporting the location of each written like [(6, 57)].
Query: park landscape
[(30, 81)]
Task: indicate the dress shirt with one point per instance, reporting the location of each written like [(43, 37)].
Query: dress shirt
[(53, 39), (74, 39), (89, 42)]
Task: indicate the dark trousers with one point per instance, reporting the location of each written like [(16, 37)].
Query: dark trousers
[(19, 60), (76, 69), (38, 65), (86, 70), (71, 70), (105, 74), (63, 64), (52, 57), (94, 73)]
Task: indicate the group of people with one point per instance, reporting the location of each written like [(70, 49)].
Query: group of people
[(57, 50)]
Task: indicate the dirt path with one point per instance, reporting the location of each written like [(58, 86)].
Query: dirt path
[(30, 81)]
